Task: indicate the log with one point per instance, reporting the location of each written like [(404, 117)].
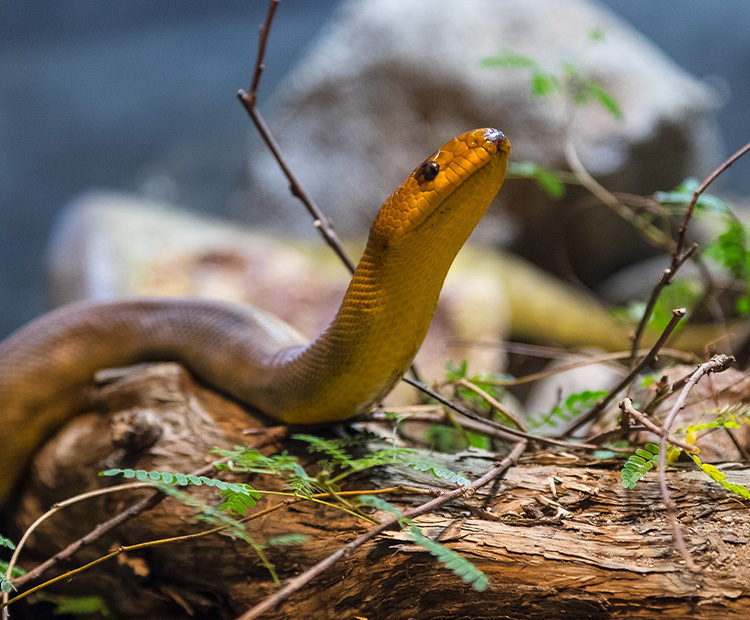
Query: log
[(559, 537)]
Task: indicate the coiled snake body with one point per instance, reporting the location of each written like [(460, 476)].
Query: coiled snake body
[(251, 355)]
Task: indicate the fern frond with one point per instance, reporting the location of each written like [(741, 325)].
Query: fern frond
[(451, 560), (720, 477), (438, 470), (287, 541), (643, 460), (334, 448), (228, 489)]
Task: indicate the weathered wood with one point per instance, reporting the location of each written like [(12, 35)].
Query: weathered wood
[(587, 549)]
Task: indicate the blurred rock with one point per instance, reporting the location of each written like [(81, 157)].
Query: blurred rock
[(390, 81)]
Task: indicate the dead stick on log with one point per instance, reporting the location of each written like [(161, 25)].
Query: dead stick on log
[(716, 364)]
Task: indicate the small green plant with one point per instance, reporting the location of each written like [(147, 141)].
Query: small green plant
[(340, 459), (732, 251), (720, 477), (574, 405), (78, 605), (551, 181), (644, 459), (459, 565), (5, 584), (570, 81), (237, 497)]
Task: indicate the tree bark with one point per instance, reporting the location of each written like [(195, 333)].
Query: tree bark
[(559, 537)]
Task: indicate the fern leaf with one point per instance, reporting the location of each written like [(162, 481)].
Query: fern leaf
[(451, 560), (168, 478), (332, 447), (638, 464), (437, 470), (720, 477), (287, 541)]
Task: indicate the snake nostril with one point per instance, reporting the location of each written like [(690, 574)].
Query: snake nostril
[(497, 137)]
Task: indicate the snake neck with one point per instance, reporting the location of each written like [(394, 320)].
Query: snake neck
[(373, 339)]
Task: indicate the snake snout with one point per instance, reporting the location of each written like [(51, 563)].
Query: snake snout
[(498, 138)]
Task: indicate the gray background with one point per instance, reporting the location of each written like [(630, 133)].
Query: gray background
[(140, 95)]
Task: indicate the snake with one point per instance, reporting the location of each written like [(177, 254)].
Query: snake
[(249, 354)]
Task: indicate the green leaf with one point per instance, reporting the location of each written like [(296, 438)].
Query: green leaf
[(451, 560), (509, 60), (289, 540), (732, 249), (597, 92), (604, 454), (437, 470), (79, 605), (549, 181), (683, 195), (638, 464), (6, 542), (543, 84), (236, 503), (332, 447)]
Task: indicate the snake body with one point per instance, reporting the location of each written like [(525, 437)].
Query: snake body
[(252, 355)]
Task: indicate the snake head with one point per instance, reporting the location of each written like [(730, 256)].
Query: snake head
[(464, 175)]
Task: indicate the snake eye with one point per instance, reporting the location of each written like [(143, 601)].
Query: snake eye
[(428, 170)]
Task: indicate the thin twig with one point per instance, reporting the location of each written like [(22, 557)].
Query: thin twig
[(249, 101), (163, 541), (651, 234), (664, 281), (501, 427), (682, 230), (492, 401), (295, 584), (716, 364), (57, 507), (588, 361), (626, 405), (677, 314), (679, 255), (259, 66)]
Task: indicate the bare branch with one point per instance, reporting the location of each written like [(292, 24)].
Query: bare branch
[(679, 255), (249, 101), (599, 407), (627, 408)]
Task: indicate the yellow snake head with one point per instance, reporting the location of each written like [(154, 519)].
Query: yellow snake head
[(452, 188)]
